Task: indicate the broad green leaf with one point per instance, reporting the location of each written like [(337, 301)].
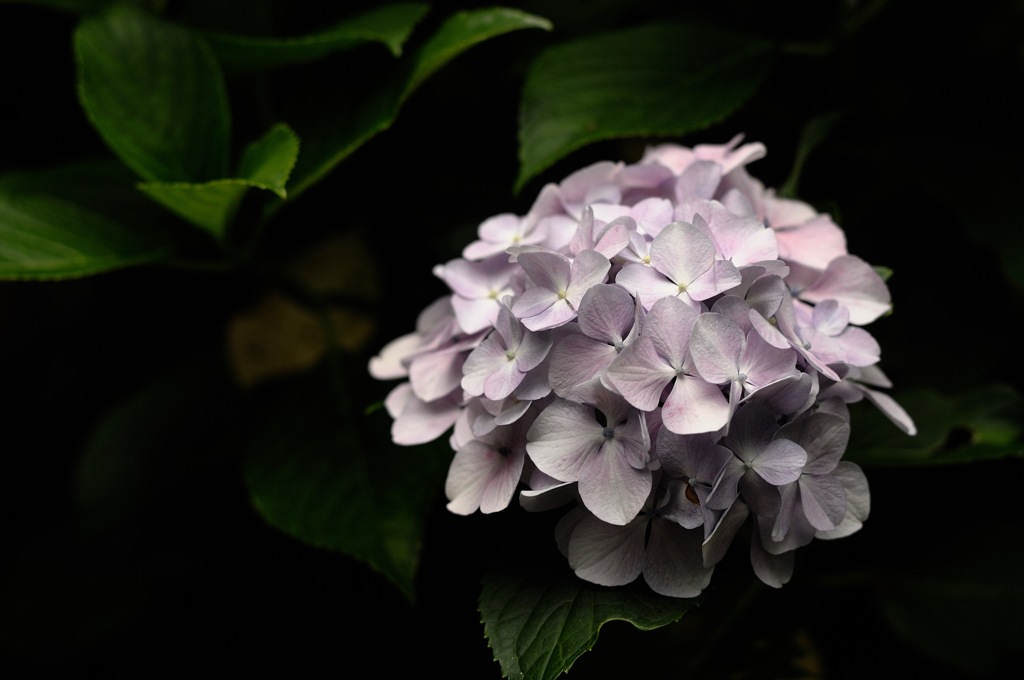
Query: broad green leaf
[(539, 617), (75, 221), (266, 164), (210, 205), (463, 30), (159, 441), (659, 80), (956, 595), (340, 133), (155, 93), (984, 424), (325, 475), (390, 25)]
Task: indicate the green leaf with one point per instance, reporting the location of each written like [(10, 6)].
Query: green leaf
[(67, 5), (463, 30), (539, 617), (266, 164), (75, 221), (158, 442), (984, 424), (390, 25), (155, 93), (324, 475), (956, 595), (657, 80), (813, 134), (339, 133)]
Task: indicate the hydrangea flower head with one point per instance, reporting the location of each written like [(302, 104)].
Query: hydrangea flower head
[(665, 347)]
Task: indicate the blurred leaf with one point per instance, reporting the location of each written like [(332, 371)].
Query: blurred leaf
[(339, 134), (70, 5), (155, 93), (539, 617), (280, 337), (320, 472), (159, 441), (983, 424), (75, 221), (655, 80), (390, 25), (959, 598), (266, 164), (813, 134)]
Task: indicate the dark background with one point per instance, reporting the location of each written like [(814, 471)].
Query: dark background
[(923, 172)]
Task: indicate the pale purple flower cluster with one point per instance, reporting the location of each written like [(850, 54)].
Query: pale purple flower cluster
[(669, 347)]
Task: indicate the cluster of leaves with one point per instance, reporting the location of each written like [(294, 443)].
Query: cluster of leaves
[(208, 151)]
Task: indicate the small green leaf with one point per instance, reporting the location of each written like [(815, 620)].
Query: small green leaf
[(326, 476), (266, 164), (340, 133), (155, 93), (539, 617), (657, 80), (984, 424), (75, 221), (390, 25)]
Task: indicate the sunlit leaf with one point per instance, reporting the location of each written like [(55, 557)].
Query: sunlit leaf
[(390, 25), (74, 221), (983, 424), (539, 617), (266, 164), (155, 93), (660, 80), (339, 133), (321, 473)]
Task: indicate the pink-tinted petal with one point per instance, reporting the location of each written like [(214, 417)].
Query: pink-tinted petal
[(682, 253), (576, 360), (605, 554), (421, 422), (645, 282), (858, 500), (694, 406), (639, 374), (716, 345), (610, 488), (674, 563), (780, 462), (773, 570), (823, 500), (852, 282), (564, 435)]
